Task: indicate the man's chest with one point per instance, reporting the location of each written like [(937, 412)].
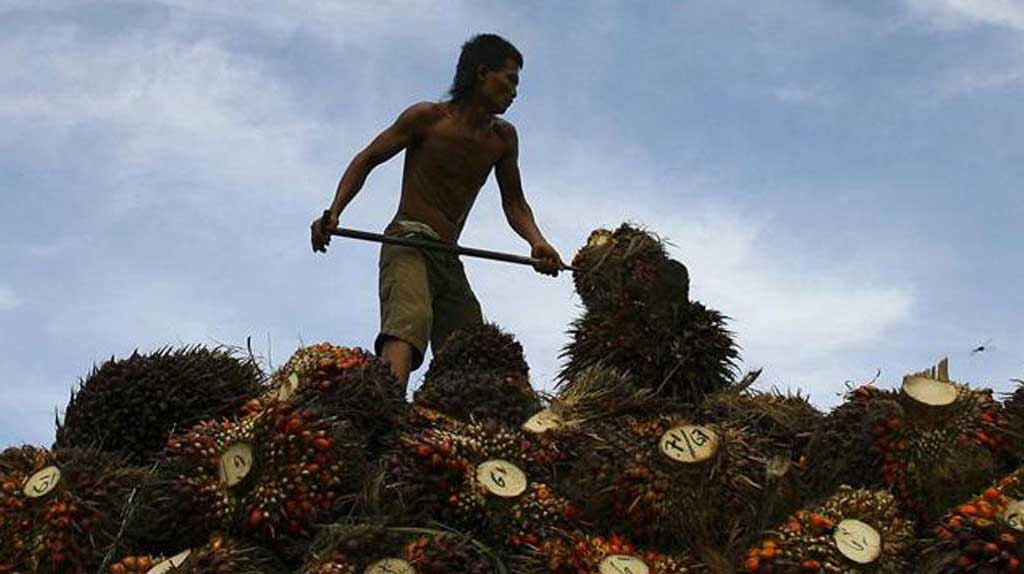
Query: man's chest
[(471, 154)]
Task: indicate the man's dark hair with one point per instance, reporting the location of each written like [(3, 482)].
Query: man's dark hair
[(489, 50)]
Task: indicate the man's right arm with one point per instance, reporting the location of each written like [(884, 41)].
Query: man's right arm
[(404, 132)]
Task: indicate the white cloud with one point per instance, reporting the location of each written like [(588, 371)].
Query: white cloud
[(8, 299), (955, 14)]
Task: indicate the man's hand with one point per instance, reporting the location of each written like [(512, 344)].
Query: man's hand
[(550, 262), (319, 236)]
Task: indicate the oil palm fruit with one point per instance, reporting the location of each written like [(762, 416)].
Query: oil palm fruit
[(580, 553), (854, 531), (49, 499), (983, 534), (220, 555), (484, 347), (132, 405)]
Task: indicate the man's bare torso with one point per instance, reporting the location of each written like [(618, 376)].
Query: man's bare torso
[(446, 167)]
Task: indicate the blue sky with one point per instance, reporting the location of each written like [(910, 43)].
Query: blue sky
[(841, 178)]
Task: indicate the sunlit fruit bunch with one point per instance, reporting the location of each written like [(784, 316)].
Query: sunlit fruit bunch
[(133, 565), (131, 405), (222, 555), (627, 267), (49, 498), (483, 477), (931, 463), (984, 534), (373, 548), (854, 531), (347, 383), (668, 479), (578, 553)]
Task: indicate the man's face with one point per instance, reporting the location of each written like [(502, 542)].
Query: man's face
[(498, 86)]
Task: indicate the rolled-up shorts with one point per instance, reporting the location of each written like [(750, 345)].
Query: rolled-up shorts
[(424, 294)]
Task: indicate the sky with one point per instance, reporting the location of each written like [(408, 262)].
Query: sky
[(841, 178)]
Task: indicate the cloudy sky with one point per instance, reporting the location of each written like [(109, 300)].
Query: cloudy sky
[(841, 178)]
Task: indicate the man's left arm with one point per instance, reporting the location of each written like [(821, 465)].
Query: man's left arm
[(517, 211)]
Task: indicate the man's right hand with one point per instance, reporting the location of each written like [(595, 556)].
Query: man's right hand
[(319, 236)]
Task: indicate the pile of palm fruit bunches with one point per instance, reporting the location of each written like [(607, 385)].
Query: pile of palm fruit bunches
[(653, 455)]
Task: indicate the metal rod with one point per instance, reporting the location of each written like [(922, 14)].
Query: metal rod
[(436, 246)]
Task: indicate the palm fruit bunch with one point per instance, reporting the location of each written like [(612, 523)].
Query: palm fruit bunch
[(347, 383), (482, 477), (375, 549), (48, 499), (220, 555), (271, 476), (1014, 407), (855, 531), (479, 374), (984, 535), (639, 319), (578, 553), (670, 479), (131, 405)]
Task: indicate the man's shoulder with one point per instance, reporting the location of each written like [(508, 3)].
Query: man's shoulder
[(424, 113), (506, 131)]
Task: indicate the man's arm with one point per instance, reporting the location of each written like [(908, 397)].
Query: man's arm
[(404, 132), (517, 211)]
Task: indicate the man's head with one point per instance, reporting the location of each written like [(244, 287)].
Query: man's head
[(489, 70)]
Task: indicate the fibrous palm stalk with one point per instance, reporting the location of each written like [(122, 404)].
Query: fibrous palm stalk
[(358, 548), (825, 540), (878, 440), (131, 405), (272, 476), (50, 499), (984, 534)]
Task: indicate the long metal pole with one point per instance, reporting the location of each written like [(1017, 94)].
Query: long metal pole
[(435, 246)]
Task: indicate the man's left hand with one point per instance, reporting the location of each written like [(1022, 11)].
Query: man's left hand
[(549, 262)]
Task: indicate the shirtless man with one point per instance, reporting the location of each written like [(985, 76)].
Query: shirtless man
[(450, 149)]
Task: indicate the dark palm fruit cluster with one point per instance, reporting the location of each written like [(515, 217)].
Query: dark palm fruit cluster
[(984, 535), (577, 553), (132, 405), (273, 476), (346, 383), (219, 555), (480, 374), (1014, 407), (369, 549), (479, 348), (931, 462), (823, 540), (481, 477), (667, 480), (49, 498)]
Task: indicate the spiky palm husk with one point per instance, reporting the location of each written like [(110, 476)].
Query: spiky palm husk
[(308, 469), (874, 441), (479, 348), (624, 482), (132, 405), (788, 421), (219, 555), (347, 383), (44, 535), (975, 536), (351, 549), (629, 267), (433, 476), (480, 395), (578, 553), (686, 356), (804, 544)]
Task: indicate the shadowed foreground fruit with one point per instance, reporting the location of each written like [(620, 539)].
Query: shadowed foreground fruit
[(131, 405), (48, 500)]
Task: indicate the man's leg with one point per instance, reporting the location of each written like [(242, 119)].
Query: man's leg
[(399, 354), (456, 307)]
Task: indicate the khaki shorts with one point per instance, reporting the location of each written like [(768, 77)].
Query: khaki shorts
[(424, 295)]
